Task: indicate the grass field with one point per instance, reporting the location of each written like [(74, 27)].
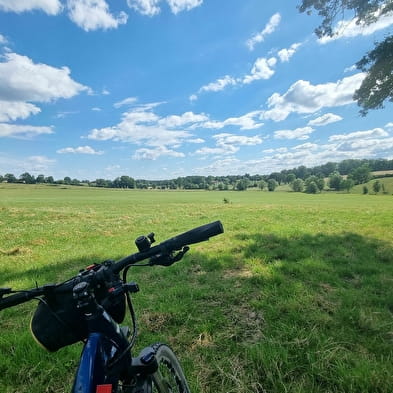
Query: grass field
[(295, 296)]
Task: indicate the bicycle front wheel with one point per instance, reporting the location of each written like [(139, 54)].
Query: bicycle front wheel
[(169, 378)]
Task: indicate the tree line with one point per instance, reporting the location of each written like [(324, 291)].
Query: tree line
[(337, 176)]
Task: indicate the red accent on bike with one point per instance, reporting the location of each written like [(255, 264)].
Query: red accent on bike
[(104, 389), (110, 290), (90, 267)]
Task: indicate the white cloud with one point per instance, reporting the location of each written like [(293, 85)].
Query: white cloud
[(145, 7), (175, 121), (23, 80), (154, 154), (94, 15), (350, 69), (245, 122), (269, 29), (22, 131), (278, 150), (96, 109), (238, 140), (217, 151), (3, 40), (286, 54), (375, 133), (298, 133), (183, 5), (303, 97), (126, 101), (227, 144), (306, 146), (12, 110), (51, 7), (193, 97), (151, 7), (219, 84), (325, 119), (262, 69), (79, 150), (349, 29), (141, 125)]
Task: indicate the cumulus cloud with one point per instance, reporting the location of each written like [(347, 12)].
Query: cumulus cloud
[(175, 121), (51, 7), (23, 80), (145, 7), (151, 7), (245, 122), (94, 15), (227, 144), (22, 131), (141, 125), (12, 110), (298, 133), (219, 84), (349, 28), (262, 69), (79, 150), (325, 119), (375, 133), (154, 154), (304, 97), (306, 146), (268, 29), (285, 54), (183, 5)]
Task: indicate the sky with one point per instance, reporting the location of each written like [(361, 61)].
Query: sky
[(157, 89)]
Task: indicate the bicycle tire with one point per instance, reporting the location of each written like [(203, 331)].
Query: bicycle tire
[(169, 378)]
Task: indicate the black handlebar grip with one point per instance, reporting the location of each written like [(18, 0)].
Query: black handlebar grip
[(195, 235), (14, 300)]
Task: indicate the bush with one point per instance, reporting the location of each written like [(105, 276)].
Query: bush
[(297, 185)]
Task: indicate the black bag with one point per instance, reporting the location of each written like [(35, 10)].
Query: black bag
[(57, 322)]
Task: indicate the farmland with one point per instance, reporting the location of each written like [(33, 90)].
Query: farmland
[(295, 296)]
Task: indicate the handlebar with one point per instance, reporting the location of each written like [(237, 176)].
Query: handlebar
[(176, 243), (164, 249), (18, 298)]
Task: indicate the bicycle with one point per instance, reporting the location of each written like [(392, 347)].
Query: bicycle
[(91, 306)]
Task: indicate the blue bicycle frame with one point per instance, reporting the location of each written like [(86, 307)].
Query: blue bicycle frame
[(92, 372)]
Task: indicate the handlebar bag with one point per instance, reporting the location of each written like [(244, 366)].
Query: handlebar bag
[(57, 322)]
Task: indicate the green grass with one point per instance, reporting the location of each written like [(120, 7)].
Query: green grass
[(295, 296)]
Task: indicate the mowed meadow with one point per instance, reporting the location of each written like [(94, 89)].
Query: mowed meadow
[(295, 296)]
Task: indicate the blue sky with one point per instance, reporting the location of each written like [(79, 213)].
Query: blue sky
[(157, 89)]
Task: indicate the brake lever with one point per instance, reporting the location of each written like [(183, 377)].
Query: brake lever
[(168, 259)]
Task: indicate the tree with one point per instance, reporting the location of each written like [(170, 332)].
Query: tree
[(377, 186), (336, 181), (10, 178), (365, 190), (271, 184), (377, 86), (347, 184), (40, 179), (27, 178), (312, 188), (297, 185), (242, 185), (262, 185), (361, 174)]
